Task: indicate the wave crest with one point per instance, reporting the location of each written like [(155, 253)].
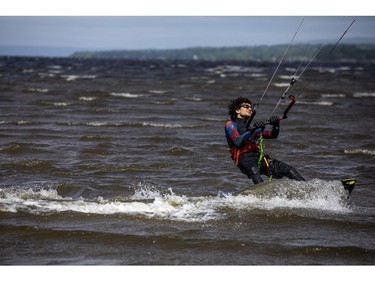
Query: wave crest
[(359, 151), (152, 202)]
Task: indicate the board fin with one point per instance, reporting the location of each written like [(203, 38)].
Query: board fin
[(349, 184)]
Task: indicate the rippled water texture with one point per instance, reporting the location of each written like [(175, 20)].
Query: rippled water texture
[(126, 162)]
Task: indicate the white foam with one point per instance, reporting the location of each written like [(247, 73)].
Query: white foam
[(286, 77), (37, 90), (281, 85), (322, 103), (153, 203), (97, 124), (126, 95), (163, 125), (60, 104), (23, 122), (233, 68), (194, 99), (75, 77), (256, 75), (290, 69), (87, 98), (359, 151), (157, 92), (333, 95), (326, 69), (364, 95)]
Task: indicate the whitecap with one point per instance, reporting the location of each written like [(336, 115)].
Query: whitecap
[(163, 125), (322, 103), (23, 122), (364, 95), (286, 77), (167, 206), (75, 77), (333, 95), (63, 104), (87, 98), (344, 68), (97, 124), (290, 69), (233, 68), (281, 85), (55, 66), (37, 90), (46, 75), (126, 95), (359, 151), (314, 194), (291, 196), (194, 99), (326, 69), (256, 75), (157, 92)]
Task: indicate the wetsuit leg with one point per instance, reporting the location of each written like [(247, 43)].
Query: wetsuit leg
[(248, 165), (280, 169)]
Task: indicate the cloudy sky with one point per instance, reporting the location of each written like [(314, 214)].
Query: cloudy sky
[(166, 30)]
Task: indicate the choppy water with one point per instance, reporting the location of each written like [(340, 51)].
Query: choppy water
[(126, 162)]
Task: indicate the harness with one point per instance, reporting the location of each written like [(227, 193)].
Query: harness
[(249, 145), (236, 152)]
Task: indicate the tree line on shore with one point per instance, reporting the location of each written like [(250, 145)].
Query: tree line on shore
[(344, 52)]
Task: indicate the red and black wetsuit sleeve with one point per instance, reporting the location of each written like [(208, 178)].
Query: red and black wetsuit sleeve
[(266, 133), (234, 136), (237, 134)]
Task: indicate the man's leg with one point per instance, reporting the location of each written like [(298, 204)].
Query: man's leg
[(280, 169), (249, 166)]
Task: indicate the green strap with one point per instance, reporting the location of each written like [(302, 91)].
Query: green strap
[(260, 143), (261, 155)]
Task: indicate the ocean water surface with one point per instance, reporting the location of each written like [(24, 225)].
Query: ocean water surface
[(125, 162)]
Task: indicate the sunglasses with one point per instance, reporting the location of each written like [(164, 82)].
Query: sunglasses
[(247, 106)]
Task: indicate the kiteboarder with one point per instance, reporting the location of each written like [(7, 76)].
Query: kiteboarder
[(246, 145)]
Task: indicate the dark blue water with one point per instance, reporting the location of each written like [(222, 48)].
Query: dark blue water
[(126, 162)]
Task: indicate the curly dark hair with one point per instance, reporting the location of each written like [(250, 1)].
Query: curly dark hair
[(236, 104)]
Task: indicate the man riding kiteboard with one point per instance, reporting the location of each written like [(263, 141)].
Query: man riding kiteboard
[(246, 145)]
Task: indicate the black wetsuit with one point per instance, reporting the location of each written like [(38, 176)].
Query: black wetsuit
[(245, 152)]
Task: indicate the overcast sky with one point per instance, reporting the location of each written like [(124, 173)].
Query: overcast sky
[(161, 32)]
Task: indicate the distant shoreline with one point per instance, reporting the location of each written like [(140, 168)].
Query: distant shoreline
[(264, 53), (345, 52)]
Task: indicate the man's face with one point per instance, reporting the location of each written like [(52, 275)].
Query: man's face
[(244, 111)]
